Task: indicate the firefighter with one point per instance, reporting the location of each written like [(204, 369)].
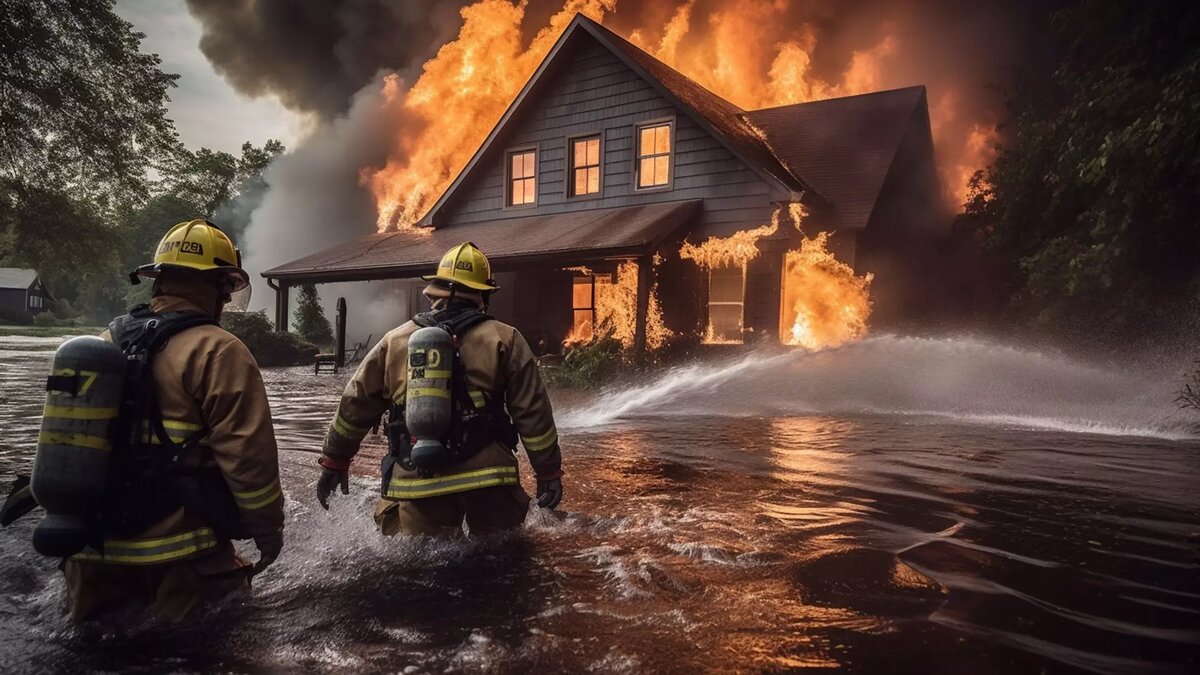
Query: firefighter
[(499, 398), (168, 529)]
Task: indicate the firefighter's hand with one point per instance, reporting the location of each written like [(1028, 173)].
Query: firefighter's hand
[(268, 547), (331, 478), (549, 492)]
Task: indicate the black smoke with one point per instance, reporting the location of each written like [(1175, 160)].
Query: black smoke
[(315, 55)]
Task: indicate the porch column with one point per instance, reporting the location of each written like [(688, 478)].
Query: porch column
[(281, 307), (645, 268)]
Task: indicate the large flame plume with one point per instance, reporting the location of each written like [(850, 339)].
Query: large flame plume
[(824, 303), (748, 51), (616, 311)]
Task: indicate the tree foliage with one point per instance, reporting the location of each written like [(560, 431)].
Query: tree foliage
[(1091, 204), (311, 323)]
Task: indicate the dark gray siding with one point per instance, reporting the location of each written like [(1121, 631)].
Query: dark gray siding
[(594, 92), (13, 299)]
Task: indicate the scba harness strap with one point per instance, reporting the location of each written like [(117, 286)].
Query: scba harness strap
[(478, 418), (150, 480)]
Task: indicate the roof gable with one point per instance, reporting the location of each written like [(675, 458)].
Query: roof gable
[(714, 114), (844, 147), (16, 277)]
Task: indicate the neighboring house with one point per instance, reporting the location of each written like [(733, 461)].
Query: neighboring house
[(22, 291), (608, 155)]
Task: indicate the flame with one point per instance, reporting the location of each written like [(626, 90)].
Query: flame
[(616, 311), (459, 97), (824, 303), (747, 51)]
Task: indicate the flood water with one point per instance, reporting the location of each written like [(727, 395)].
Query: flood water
[(896, 505)]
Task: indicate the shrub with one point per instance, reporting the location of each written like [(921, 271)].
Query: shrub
[(590, 365), (45, 319), (1189, 396), (270, 348), (15, 316)]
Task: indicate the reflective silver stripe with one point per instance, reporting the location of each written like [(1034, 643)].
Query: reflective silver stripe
[(347, 430), (542, 442), (417, 488), (257, 499), (151, 551)]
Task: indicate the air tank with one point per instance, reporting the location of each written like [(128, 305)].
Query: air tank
[(428, 399), (70, 470)]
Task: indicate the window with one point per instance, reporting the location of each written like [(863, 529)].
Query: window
[(35, 302), (583, 307), (585, 162), (654, 155), (522, 178), (726, 291)]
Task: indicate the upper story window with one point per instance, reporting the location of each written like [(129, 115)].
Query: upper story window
[(585, 162), (522, 178), (654, 155)]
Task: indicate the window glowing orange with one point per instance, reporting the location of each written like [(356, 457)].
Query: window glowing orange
[(585, 160), (654, 155)]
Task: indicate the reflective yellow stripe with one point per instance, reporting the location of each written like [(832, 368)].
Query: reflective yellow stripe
[(63, 412), (478, 399), (151, 551), (428, 391), (436, 375), (536, 443), (76, 439), (182, 426), (344, 428), (417, 488), (254, 505), (256, 493)]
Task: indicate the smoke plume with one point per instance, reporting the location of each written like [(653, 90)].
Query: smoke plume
[(315, 56)]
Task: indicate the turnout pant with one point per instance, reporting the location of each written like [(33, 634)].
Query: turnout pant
[(485, 510)]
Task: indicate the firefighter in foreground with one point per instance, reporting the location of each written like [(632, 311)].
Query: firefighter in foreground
[(156, 447), (459, 388)]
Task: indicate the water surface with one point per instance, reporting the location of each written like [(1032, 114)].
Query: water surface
[(898, 505)]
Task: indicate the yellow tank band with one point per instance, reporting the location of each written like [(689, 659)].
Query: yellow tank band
[(74, 439), (418, 392), (424, 373), (64, 412)]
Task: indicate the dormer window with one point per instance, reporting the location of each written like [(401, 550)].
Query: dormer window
[(654, 155), (522, 177)]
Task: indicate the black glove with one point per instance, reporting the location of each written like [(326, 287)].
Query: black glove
[(329, 479), (268, 547), (549, 492)]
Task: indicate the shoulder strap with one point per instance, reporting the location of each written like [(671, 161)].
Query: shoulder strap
[(454, 321)]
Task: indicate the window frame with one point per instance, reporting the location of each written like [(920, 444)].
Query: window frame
[(508, 176), (570, 166), (745, 271), (591, 282), (668, 122)]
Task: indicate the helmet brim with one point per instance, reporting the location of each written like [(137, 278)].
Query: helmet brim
[(241, 278), (455, 282)]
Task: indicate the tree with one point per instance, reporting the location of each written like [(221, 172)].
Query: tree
[(1091, 203), (80, 105), (311, 323)]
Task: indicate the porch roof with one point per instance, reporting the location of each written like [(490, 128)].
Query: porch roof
[(510, 243)]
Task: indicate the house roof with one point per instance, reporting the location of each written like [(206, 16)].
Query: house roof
[(843, 147), (599, 233), (16, 277)]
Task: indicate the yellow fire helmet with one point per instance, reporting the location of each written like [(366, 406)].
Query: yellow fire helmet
[(465, 266), (196, 245)]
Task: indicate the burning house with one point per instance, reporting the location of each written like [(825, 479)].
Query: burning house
[(617, 196)]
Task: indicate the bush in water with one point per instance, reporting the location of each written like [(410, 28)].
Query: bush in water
[(589, 365), (1189, 396), (270, 348)]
